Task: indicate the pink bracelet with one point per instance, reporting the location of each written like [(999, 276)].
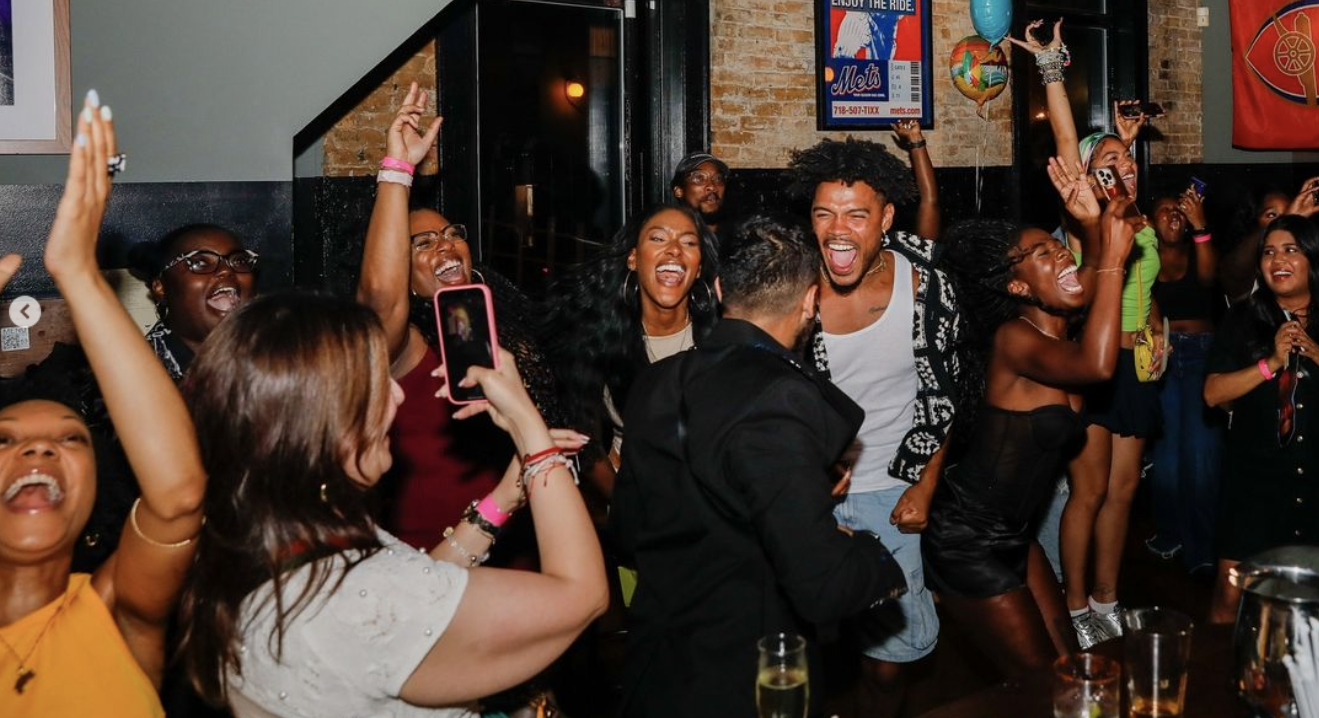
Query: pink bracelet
[(393, 163), (491, 512), (1265, 370), (1202, 238)]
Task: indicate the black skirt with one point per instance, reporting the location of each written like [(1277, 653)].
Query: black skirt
[(1125, 405)]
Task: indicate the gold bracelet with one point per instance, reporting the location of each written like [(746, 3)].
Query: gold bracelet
[(132, 519)]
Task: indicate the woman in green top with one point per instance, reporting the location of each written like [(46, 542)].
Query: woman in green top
[(1120, 413)]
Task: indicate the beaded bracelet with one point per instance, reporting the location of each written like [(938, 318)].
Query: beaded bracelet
[(472, 559), (1051, 63), (540, 466)]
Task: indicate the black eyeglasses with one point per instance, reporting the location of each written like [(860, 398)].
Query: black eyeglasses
[(429, 240), (204, 261)]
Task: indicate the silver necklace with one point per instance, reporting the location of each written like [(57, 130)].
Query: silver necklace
[(1038, 329)]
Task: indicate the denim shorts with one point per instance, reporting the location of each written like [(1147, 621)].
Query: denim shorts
[(904, 630)]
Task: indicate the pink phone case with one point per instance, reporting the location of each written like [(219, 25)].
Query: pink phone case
[(493, 337)]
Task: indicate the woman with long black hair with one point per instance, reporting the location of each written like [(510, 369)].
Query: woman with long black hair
[(1262, 367), (648, 296)]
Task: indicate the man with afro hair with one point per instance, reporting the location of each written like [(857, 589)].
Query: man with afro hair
[(887, 326)]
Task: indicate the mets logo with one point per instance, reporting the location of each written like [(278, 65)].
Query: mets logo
[(1282, 54)]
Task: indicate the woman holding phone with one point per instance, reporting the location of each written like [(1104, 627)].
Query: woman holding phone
[(443, 465), (61, 632), (1120, 413), (1262, 367)]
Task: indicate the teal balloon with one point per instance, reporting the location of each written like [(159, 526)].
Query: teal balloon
[(992, 19)]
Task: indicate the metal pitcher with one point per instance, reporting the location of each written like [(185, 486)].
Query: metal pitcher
[(1280, 592)]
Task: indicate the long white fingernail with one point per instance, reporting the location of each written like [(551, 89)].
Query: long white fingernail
[(93, 98), (81, 140), (106, 114), (86, 114)]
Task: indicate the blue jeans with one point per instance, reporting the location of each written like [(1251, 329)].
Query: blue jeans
[(1049, 527), (904, 630), (1186, 455)]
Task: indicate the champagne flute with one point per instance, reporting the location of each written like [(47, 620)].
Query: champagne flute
[(782, 685)]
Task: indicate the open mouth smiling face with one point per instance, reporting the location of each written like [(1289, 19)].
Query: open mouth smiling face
[(849, 222), (441, 256), (47, 477), (1047, 271), (1284, 265), (667, 259)]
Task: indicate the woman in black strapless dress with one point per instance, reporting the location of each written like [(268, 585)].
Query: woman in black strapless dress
[(1018, 288)]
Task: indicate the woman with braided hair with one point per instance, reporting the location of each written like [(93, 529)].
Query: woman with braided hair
[(1019, 288)]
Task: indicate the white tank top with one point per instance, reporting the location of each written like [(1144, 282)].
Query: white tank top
[(876, 367)]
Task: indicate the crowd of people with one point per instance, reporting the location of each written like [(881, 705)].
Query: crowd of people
[(734, 426)]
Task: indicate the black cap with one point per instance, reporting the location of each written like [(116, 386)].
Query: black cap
[(691, 162)]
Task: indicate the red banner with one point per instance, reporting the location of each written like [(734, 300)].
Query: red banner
[(1275, 77)]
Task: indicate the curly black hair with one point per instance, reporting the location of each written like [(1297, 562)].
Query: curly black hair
[(851, 161), (594, 334)]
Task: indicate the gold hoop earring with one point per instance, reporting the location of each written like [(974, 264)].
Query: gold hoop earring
[(622, 291)]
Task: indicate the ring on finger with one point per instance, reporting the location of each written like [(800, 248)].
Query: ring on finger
[(116, 163)]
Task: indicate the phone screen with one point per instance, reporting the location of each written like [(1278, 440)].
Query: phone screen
[(466, 319)]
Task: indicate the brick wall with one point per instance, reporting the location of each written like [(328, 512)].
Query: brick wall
[(1175, 73), (356, 144), (762, 88), (763, 92)]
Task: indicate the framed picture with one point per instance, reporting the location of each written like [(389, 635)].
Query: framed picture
[(873, 63), (34, 77)]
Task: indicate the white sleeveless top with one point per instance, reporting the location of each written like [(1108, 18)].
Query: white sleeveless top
[(876, 367)]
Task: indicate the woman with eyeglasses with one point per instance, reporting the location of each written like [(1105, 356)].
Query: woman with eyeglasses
[(198, 274), (1262, 368), (443, 465)]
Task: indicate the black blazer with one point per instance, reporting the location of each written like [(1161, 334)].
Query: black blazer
[(722, 504)]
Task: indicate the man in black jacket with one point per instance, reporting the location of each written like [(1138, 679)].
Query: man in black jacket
[(723, 499)]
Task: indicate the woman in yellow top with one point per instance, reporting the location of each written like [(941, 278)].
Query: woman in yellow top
[(1122, 412), (80, 644)]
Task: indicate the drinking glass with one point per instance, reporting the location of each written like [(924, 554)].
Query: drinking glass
[(782, 685), (1085, 685), (1158, 653)]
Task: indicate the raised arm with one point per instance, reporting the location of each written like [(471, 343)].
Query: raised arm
[(1050, 59), (143, 577), (1079, 201), (387, 257), (512, 624), (1206, 256), (910, 138), (1058, 362)]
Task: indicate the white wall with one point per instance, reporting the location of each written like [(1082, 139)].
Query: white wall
[(214, 90)]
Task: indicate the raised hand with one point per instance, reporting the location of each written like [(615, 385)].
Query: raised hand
[(1074, 188), (9, 265), (405, 139), (1118, 227), (507, 401), (1128, 128), (1306, 203), (72, 244), (1191, 204), (1032, 45), (908, 132)]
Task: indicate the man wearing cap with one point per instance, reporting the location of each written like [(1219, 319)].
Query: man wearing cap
[(698, 182)]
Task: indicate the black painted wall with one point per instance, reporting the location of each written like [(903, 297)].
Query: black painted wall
[(259, 212)]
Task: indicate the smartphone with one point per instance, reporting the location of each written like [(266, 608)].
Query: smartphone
[(465, 316), (1149, 109), (1200, 186), (1112, 187)]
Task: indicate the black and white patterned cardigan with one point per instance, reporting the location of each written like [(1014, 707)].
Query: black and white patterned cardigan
[(934, 334)]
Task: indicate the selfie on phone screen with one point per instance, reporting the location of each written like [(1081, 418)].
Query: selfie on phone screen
[(467, 336)]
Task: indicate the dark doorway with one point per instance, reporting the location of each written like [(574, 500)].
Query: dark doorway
[(1109, 62), (541, 157)]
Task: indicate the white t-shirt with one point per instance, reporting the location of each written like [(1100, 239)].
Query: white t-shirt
[(348, 654), (876, 367)]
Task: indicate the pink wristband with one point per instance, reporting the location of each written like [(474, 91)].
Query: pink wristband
[(1264, 370), (491, 512), (1202, 238), (393, 163)]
